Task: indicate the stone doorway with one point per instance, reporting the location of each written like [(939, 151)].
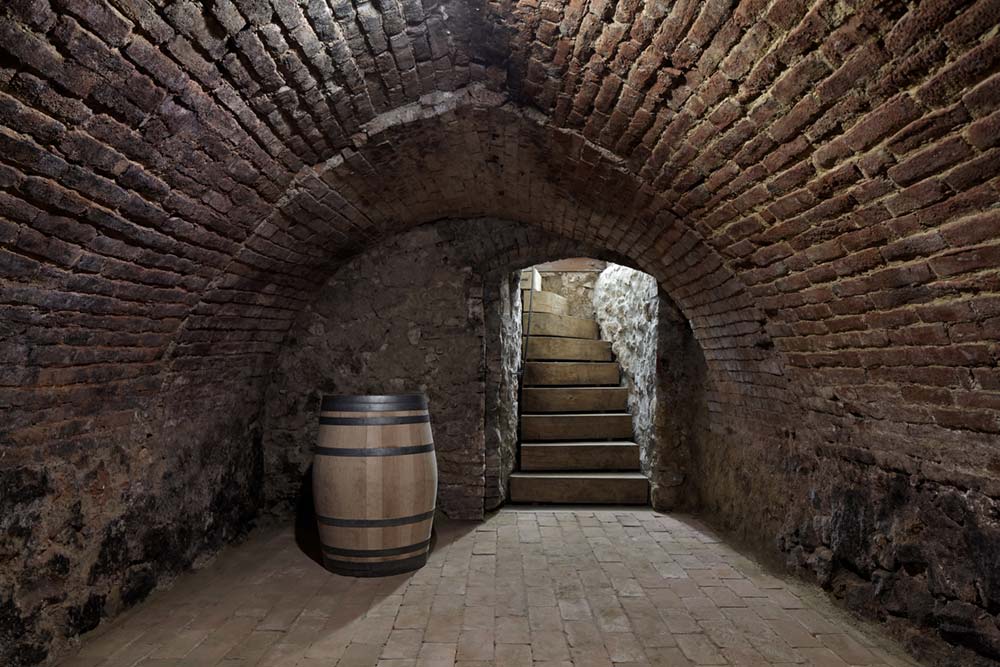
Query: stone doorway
[(651, 353), (581, 391)]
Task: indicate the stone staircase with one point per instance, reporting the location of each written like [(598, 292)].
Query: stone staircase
[(576, 430)]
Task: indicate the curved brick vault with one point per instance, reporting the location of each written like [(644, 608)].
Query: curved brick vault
[(813, 183)]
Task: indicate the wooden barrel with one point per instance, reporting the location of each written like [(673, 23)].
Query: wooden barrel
[(374, 483)]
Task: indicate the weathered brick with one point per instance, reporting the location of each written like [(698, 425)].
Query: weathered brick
[(974, 171), (154, 61), (930, 161), (797, 118), (864, 62), (963, 72), (927, 128), (29, 48), (971, 23), (973, 230), (144, 13), (111, 26), (916, 196), (981, 100), (799, 79), (964, 261), (985, 132), (917, 23), (882, 121)]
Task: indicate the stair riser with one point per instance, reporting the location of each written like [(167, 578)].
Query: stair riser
[(582, 399), (557, 373), (543, 302), (575, 427), (547, 324), (579, 457), (584, 490), (531, 280), (568, 349)]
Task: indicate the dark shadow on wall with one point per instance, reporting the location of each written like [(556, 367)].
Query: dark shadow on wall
[(681, 415), (306, 530)]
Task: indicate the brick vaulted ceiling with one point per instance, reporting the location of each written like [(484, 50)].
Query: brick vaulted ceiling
[(813, 182)]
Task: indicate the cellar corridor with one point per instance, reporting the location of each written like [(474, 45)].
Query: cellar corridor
[(216, 214)]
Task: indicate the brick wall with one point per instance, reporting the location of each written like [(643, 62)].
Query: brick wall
[(812, 183)]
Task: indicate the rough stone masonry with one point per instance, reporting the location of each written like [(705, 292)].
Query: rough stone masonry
[(405, 316), (813, 183)]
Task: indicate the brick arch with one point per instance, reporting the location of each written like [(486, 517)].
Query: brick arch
[(480, 156), (472, 465), (689, 390), (473, 154)]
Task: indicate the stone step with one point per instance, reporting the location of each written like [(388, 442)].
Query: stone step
[(570, 373), (574, 399), (618, 488), (549, 324), (574, 349), (531, 279), (579, 456), (576, 427), (544, 302)]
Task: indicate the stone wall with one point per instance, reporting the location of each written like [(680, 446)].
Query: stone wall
[(91, 529), (503, 359), (664, 369), (406, 315), (896, 542), (576, 286), (436, 309), (625, 303)]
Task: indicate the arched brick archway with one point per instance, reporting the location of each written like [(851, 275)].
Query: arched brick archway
[(525, 172), (362, 333), (471, 155)]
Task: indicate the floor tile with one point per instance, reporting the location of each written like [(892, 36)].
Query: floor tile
[(525, 588)]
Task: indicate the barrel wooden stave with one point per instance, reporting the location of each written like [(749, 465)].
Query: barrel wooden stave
[(375, 512)]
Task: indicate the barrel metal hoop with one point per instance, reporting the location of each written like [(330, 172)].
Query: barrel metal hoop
[(385, 403), (373, 421), (372, 553), (375, 569), (373, 451), (374, 523)]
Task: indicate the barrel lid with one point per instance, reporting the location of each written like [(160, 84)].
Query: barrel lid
[(374, 403)]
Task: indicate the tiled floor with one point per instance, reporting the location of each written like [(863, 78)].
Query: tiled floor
[(559, 588)]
